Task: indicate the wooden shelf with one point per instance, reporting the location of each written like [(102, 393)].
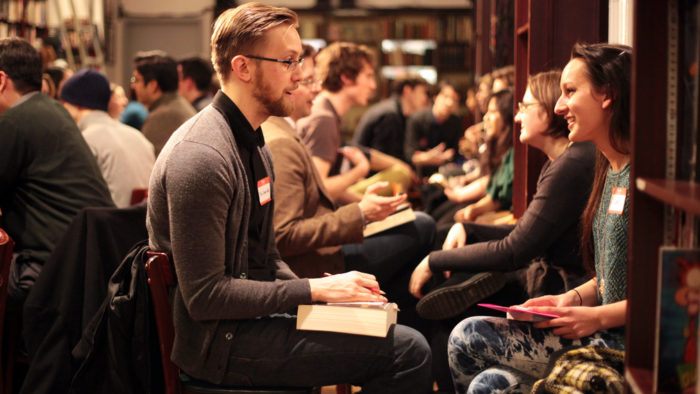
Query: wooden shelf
[(639, 380), (524, 29), (680, 194)]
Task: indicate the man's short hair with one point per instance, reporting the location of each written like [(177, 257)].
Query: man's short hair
[(199, 70), (161, 69), (22, 63), (341, 58), (411, 80), (308, 51), (238, 30)]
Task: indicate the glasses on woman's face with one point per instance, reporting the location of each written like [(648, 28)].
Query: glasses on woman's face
[(291, 64), (522, 107)]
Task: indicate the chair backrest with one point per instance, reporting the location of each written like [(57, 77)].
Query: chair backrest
[(138, 195), (160, 278), (6, 247)]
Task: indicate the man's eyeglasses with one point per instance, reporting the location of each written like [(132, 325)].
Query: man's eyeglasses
[(291, 64), (522, 107)]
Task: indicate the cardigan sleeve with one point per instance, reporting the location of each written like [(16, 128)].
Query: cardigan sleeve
[(199, 189)]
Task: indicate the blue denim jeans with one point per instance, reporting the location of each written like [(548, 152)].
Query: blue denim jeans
[(492, 355), (270, 351)]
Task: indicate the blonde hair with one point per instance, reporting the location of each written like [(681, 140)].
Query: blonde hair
[(238, 30)]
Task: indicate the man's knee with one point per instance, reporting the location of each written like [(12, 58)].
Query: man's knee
[(412, 348)]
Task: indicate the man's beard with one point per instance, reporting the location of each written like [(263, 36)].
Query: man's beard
[(263, 93)]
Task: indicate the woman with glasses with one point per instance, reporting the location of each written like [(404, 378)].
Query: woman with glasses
[(594, 102), (477, 255)]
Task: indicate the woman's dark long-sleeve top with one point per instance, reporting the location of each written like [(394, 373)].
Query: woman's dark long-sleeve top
[(550, 227)]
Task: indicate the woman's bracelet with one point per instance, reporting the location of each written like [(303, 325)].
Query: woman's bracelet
[(580, 299)]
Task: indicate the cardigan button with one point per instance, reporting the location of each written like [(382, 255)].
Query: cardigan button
[(228, 336), (243, 275)]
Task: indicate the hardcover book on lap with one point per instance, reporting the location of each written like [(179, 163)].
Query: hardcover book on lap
[(360, 318), (403, 215)]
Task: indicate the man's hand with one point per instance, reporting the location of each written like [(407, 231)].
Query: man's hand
[(351, 286), (376, 207), (356, 157)]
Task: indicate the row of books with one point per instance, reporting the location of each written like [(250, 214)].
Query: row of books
[(449, 28)]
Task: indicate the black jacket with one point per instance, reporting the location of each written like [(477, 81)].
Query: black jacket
[(71, 289), (119, 349)]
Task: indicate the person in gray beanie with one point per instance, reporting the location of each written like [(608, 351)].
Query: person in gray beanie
[(123, 154)]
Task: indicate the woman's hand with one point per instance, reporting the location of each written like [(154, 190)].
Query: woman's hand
[(420, 276), (573, 323), (456, 237), (548, 300)]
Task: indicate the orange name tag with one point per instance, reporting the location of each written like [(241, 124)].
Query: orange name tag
[(617, 201), (264, 190)]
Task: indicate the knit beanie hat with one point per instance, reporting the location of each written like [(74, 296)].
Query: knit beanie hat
[(87, 88)]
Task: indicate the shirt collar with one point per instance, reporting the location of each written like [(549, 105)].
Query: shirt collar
[(24, 98), (242, 129)]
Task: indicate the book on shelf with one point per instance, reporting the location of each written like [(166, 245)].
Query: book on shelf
[(359, 318), (675, 360), (403, 214)]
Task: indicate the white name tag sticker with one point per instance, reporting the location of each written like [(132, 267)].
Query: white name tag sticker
[(264, 190), (617, 201)]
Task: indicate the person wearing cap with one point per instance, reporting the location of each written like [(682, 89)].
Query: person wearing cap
[(47, 173), (123, 154)]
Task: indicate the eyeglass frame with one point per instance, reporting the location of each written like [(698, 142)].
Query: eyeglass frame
[(291, 64), (522, 107)]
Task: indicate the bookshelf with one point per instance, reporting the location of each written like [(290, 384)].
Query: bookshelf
[(544, 32), (435, 43), (664, 188)]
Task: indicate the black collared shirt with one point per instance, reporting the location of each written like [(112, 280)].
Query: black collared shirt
[(249, 141)]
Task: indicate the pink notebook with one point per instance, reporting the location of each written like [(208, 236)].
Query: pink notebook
[(521, 314)]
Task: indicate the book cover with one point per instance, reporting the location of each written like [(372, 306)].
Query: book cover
[(403, 215), (521, 314), (360, 318), (677, 320)]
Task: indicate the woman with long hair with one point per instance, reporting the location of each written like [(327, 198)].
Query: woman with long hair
[(488, 354)]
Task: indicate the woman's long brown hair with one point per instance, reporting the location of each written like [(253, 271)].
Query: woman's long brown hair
[(608, 68)]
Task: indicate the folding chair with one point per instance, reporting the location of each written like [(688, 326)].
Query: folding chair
[(161, 277)]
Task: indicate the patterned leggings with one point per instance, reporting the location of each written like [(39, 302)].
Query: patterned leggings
[(493, 355)]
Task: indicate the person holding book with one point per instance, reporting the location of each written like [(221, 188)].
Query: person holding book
[(210, 207), (595, 102), (346, 74), (481, 257), (314, 235)]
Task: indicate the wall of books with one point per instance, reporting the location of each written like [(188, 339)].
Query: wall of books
[(432, 43), (68, 29)]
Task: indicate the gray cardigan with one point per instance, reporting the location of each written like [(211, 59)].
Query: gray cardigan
[(198, 211)]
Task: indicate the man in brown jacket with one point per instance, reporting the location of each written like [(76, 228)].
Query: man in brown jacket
[(314, 236)]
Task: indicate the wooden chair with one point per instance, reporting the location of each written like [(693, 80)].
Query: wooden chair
[(6, 247), (138, 196), (161, 277)]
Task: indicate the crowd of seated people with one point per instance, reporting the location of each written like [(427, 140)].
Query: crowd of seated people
[(259, 175)]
